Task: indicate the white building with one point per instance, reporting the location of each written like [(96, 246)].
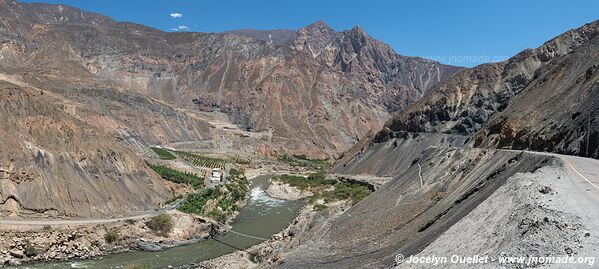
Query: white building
[(216, 174)]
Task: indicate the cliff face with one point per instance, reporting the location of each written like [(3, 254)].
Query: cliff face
[(541, 99), (557, 112)]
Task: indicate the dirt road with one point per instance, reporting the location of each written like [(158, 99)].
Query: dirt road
[(42, 222)]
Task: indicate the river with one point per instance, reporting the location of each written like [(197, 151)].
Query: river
[(261, 217)]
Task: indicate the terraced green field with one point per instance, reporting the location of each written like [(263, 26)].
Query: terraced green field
[(203, 161)]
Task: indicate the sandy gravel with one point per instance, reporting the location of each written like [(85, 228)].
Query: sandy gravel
[(284, 191)]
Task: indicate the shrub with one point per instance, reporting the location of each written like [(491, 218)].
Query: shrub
[(235, 173), (343, 191), (217, 215), (111, 235), (304, 161), (314, 180), (162, 224), (319, 207), (196, 201), (30, 249), (203, 161), (164, 154), (47, 228)]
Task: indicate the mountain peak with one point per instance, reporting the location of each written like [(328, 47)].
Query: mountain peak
[(316, 36), (358, 31), (320, 24), (319, 28)]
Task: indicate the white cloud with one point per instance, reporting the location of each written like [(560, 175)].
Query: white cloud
[(176, 15), (180, 28)]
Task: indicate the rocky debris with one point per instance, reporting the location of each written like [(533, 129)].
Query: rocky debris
[(149, 246), (371, 182), (545, 190), (16, 253)]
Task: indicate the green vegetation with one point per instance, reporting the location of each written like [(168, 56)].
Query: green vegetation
[(223, 199), (303, 161), (112, 235), (344, 191), (217, 214), (162, 224), (320, 185), (236, 173), (314, 180), (30, 249), (137, 266), (196, 201), (178, 176), (203, 161), (163, 153), (319, 207)]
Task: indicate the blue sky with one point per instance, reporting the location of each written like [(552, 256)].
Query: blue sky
[(463, 33)]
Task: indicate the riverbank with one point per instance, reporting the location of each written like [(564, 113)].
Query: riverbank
[(273, 251), (191, 241), (27, 244)]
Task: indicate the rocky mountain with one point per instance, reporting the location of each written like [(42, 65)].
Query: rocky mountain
[(557, 112), (541, 99), (317, 95), (445, 186), (105, 90), (277, 36)]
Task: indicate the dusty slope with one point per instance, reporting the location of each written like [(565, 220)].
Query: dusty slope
[(54, 164), (392, 158), (552, 212), (402, 217)]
